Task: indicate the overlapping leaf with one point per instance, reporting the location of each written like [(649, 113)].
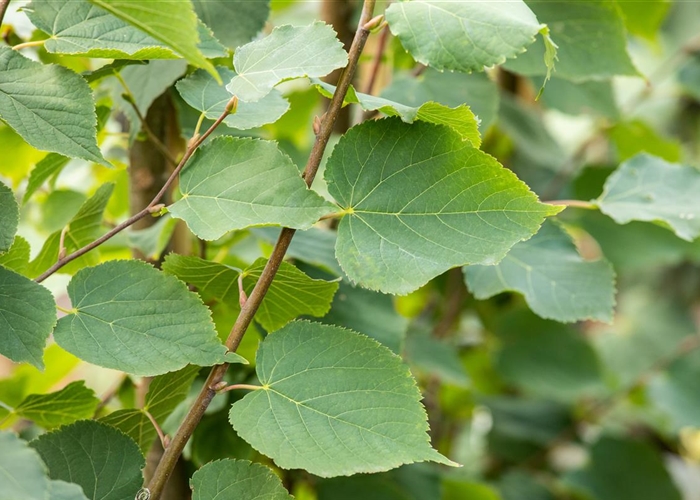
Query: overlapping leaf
[(204, 94), (22, 473), (556, 282), (105, 462), (419, 201), (17, 257), (77, 27), (73, 402), (9, 217), (461, 119), (175, 26), (288, 52), (129, 316), (462, 36), (234, 22), (647, 188), (233, 183), (61, 490), (83, 228), (27, 316), (291, 294), (49, 106), (333, 402), (236, 479), (583, 53)]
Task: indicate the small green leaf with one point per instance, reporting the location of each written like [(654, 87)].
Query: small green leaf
[(131, 317), (234, 22), (22, 473), (204, 94), (17, 257), (288, 52), (9, 217), (462, 36), (647, 188), (175, 26), (73, 402), (27, 316), (556, 282), (167, 391), (236, 479), (644, 18), (153, 240), (51, 107), (292, 294), (460, 119), (582, 53), (135, 424), (435, 357), (314, 246), (222, 192), (419, 201), (105, 462), (61, 490), (333, 402), (50, 165), (83, 228), (632, 137), (674, 392), (79, 28)]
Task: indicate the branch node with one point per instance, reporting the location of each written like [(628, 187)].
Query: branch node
[(62, 243), (219, 386), (232, 105), (156, 209), (317, 125), (242, 297), (375, 23)]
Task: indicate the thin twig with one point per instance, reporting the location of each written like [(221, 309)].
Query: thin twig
[(163, 438), (35, 43), (191, 148), (245, 317), (144, 124), (377, 62), (246, 387), (573, 203)]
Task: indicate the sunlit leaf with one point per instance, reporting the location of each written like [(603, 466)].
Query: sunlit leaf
[(287, 52), (73, 402), (51, 107), (234, 22), (236, 479), (9, 217), (17, 257)]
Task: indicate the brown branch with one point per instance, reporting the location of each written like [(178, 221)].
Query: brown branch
[(4, 4), (191, 148), (194, 416), (377, 62)]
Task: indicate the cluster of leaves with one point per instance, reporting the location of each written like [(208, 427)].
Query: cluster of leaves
[(423, 267)]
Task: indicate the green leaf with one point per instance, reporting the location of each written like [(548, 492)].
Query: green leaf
[(175, 26), (234, 22), (409, 482), (462, 36), (620, 468), (22, 473), (204, 94), (9, 217), (102, 460), (556, 282), (292, 294), (83, 228), (50, 165), (167, 391), (636, 136), (27, 316), (153, 240), (73, 402), (419, 201), (236, 479), (452, 89), (583, 53), (79, 28), (458, 490), (60, 490), (288, 52), (131, 317), (333, 402), (314, 246), (547, 359), (647, 188), (135, 424), (460, 119), (644, 18), (51, 107), (674, 392), (435, 357), (221, 192), (595, 97), (17, 257)]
